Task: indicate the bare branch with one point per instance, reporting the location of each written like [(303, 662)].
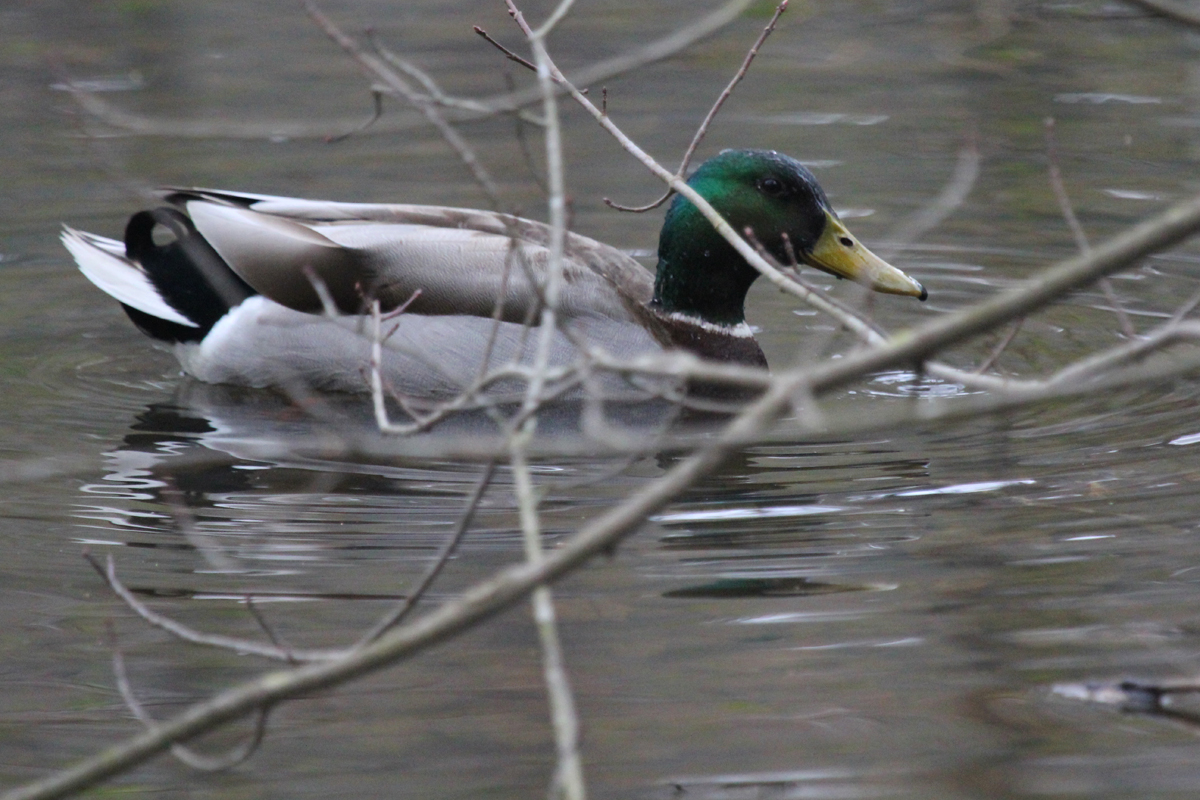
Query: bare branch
[(430, 85), (509, 54), (560, 11), (556, 202), (569, 771), (730, 235), (667, 46), (1186, 308), (1162, 231)]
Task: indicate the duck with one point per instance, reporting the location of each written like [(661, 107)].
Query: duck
[(266, 291)]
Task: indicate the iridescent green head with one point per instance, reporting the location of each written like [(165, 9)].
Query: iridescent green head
[(701, 275)]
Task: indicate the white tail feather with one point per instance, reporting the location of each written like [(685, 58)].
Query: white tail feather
[(103, 262)]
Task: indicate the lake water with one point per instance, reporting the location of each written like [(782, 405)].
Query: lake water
[(881, 614)]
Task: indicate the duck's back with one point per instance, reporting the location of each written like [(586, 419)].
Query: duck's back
[(461, 260)]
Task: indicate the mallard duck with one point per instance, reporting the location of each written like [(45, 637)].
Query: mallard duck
[(241, 284)]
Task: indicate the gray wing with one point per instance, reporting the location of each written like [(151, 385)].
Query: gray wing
[(461, 261)]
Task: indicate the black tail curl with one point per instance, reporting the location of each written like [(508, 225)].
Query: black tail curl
[(189, 274)]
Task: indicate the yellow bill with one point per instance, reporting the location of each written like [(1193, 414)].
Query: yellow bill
[(839, 253)]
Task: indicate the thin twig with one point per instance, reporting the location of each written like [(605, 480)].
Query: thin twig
[(328, 305), (439, 561), (1081, 239), (101, 157), (108, 573), (936, 211), (556, 16), (376, 115), (1171, 9), (513, 253), (1140, 347), (469, 397), (377, 68), (435, 92), (569, 773), (1000, 347), (186, 755), (708, 118), (556, 203), (1186, 308), (509, 54), (867, 329), (523, 142), (267, 628)]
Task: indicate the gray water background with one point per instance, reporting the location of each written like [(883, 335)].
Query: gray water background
[(907, 597)]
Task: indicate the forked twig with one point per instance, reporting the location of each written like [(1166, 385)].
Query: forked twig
[(670, 44), (562, 378), (107, 571), (376, 67), (268, 629), (435, 91)]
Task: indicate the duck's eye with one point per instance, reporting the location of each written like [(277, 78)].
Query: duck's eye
[(846, 241), (771, 186)]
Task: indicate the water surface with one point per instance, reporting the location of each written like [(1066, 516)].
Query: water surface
[(874, 615)]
